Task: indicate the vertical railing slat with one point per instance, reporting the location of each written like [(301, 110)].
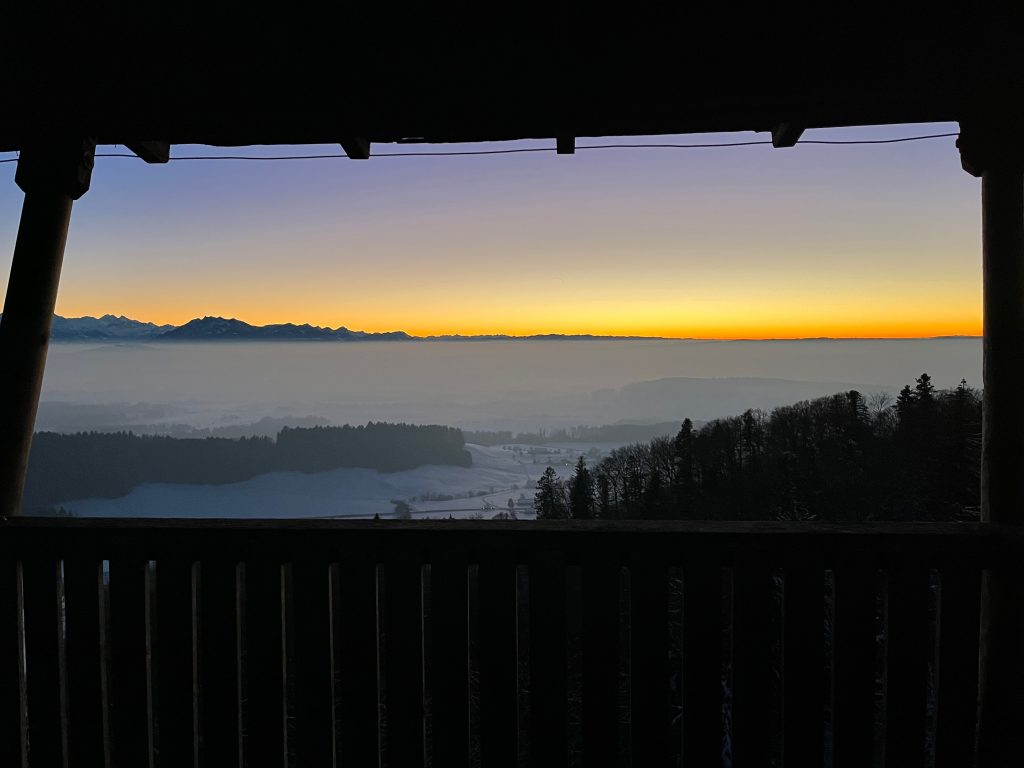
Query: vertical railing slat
[(87, 743), (651, 716), (702, 661), (219, 741), (906, 662), (129, 638), (403, 659), (449, 665), (12, 714), (46, 715), (263, 647), (311, 659), (854, 660), (354, 589), (753, 640), (601, 659), (548, 660), (959, 627), (497, 659), (803, 662), (174, 668)]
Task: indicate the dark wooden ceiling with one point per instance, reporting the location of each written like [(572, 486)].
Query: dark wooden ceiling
[(226, 73)]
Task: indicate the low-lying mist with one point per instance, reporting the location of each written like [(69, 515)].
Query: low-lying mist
[(232, 389)]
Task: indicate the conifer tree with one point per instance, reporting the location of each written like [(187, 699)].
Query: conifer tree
[(924, 390), (905, 404), (581, 492), (548, 502)]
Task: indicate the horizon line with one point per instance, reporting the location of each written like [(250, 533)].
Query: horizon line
[(499, 335)]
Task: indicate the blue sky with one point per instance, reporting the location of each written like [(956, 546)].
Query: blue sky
[(879, 240)]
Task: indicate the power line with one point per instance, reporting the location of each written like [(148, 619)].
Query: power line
[(898, 140), (521, 150)]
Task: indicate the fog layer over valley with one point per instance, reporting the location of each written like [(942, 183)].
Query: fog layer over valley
[(487, 385)]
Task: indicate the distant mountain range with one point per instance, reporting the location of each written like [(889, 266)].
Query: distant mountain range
[(106, 327), (214, 328), (120, 328)]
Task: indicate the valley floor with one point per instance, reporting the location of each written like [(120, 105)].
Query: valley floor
[(499, 473)]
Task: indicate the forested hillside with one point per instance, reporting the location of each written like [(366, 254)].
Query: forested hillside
[(840, 458), (92, 464)]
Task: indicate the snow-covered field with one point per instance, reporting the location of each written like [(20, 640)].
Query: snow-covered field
[(498, 474)]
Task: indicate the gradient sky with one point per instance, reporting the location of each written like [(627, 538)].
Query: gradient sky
[(748, 242)]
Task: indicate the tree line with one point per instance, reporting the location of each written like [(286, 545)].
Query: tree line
[(108, 465), (608, 433), (838, 458)]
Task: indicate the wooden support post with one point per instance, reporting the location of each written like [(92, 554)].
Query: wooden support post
[(995, 152), (52, 175)]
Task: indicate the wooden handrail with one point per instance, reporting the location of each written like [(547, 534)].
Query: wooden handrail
[(296, 539)]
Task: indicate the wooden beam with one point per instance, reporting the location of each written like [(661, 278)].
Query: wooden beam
[(995, 152), (151, 151), (52, 175), (356, 147), (565, 145), (786, 134)]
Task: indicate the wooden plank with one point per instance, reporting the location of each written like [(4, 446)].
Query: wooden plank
[(959, 625), (263, 648), (83, 591), (497, 648), (548, 660), (731, 535), (803, 662), (449, 661), (311, 660), (218, 711), (174, 665), (702, 661), (786, 134), (854, 661), (601, 661), (650, 678), (151, 151), (354, 596), (47, 724), (754, 693), (129, 688), (12, 711), (356, 147), (403, 660), (294, 539), (906, 662)]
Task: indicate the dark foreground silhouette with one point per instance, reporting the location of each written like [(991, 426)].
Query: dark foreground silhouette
[(838, 458), (92, 464)]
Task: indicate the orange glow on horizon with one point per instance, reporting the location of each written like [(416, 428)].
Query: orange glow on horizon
[(724, 327), (858, 304)]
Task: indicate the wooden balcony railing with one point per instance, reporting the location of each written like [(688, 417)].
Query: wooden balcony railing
[(272, 643)]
